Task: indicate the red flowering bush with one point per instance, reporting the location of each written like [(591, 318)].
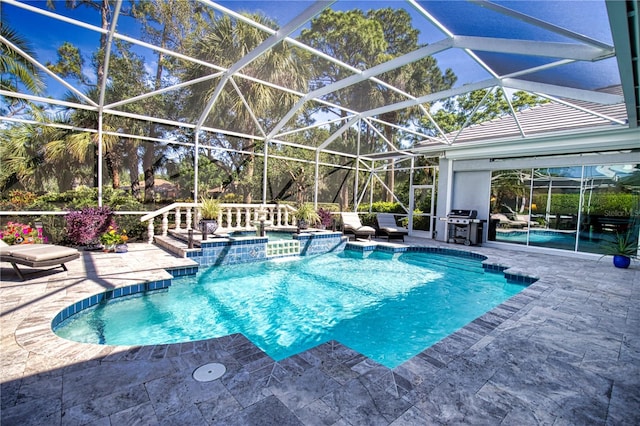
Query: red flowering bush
[(84, 227), (325, 217), (19, 233)]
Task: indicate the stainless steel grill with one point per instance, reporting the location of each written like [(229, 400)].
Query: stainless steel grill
[(463, 227)]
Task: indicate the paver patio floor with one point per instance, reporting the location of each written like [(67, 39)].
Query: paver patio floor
[(566, 350)]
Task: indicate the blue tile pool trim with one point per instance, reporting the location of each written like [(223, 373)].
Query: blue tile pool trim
[(520, 279), (120, 292), (181, 272), (243, 249), (511, 277), (312, 243)]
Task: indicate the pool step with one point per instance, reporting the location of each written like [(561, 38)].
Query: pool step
[(450, 262)]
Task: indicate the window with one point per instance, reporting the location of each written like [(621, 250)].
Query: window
[(578, 208)]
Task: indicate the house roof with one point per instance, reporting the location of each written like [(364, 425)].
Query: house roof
[(552, 117)]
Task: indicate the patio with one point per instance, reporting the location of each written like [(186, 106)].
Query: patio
[(566, 350)]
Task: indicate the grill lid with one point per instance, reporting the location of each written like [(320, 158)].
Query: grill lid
[(464, 214)]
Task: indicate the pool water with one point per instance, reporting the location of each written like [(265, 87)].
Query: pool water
[(272, 236), (388, 307)]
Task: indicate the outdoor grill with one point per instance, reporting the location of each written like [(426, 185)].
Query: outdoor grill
[(463, 227)]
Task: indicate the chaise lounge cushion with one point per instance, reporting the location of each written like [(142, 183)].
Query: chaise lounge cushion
[(387, 226), (36, 256), (505, 222), (351, 225), (38, 252)]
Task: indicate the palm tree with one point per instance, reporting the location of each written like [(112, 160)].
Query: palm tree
[(223, 43), (15, 69), (165, 23)]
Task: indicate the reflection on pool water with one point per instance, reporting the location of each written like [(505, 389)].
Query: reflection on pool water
[(537, 236), (388, 307), (588, 242)]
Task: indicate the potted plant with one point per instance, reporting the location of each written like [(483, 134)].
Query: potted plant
[(209, 211), (114, 240), (326, 219), (306, 215), (623, 248)]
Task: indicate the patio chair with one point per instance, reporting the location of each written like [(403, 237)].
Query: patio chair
[(36, 256), (387, 226), (351, 225), (505, 222)]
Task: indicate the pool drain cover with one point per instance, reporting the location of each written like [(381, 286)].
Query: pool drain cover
[(209, 372)]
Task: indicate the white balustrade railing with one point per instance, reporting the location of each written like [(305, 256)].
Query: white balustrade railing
[(232, 217)]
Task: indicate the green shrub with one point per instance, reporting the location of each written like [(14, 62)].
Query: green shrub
[(136, 230), (382, 207)]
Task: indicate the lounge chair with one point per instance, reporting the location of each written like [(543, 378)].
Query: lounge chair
[(36, 256), (505, 222), (387, 226), (351, 225)]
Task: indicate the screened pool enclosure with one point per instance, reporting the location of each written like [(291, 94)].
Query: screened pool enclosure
[(411, 107)]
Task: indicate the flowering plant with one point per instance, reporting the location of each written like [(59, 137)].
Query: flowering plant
[(112, 236), (325, 217), (19, 233), (85, 226)]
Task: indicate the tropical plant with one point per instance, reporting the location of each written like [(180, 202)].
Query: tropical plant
[(224, 41), (16, 71), (209, 208), (623, 244), (307, 213)]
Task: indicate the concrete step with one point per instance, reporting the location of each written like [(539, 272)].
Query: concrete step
[(175, 245)]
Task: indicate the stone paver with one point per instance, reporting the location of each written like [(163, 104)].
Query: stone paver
[(566, 350)]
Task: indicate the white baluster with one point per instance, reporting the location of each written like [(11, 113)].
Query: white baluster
[(237, 218), (150, 231), (279, 209), (165, 223), (178, 218), (229, 218), (247, 218), (188, 224)]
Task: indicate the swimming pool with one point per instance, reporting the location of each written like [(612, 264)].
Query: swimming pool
[(387, 306)]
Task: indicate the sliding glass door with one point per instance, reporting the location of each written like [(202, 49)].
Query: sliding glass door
[(578, 208)]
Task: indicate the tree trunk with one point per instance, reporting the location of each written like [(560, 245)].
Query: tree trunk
[(112, 169), (150, 152), (249, 177), (149, 179), (132, 166)]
